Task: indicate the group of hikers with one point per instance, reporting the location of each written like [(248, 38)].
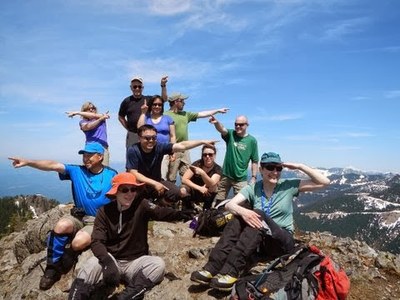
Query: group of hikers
[(112, 210)]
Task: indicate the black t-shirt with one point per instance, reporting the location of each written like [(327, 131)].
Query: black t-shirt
[(196, 179), (130, 108)]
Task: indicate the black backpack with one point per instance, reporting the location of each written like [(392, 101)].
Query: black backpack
[(288, 277), (211, 222)]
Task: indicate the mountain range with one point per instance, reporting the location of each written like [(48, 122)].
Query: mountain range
[(360, 205), (357, 204)]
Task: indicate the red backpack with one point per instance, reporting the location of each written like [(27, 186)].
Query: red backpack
[(303, 275), (333, 281)]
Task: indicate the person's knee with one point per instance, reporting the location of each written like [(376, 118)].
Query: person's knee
[(184, 192), (156, 271), (64, 226), (81, 241)]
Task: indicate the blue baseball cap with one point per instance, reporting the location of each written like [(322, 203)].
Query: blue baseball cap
[(92, 147), (271, 158)]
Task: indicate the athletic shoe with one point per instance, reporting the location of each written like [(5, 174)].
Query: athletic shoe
[(203, 277), (223, 282)]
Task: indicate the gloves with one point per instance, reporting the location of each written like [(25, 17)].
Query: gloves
[(110, 270), (186, 215)]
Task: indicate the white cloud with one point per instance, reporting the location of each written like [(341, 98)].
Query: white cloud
[(170, 7), (153, 70), (341, 29), (392, 94)]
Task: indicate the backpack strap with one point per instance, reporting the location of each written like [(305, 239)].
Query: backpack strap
[(303, 271)]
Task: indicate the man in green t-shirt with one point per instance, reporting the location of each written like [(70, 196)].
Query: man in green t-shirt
[(181, 161), (241, 148)]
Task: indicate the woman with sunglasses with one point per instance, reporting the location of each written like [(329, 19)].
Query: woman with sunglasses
[(199, 182), (119, 243), (153, 114), (263, 223), (93, 126)]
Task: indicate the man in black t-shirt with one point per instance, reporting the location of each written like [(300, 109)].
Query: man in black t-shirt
[(130, 108)]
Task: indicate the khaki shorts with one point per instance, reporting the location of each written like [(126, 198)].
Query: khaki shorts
[(86, 224)]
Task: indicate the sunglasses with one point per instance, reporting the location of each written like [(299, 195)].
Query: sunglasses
[(157, 104), (208, 154), (150, 137), (137, 87), (125, 190), (272, 168), (91, 108), (240, 124)]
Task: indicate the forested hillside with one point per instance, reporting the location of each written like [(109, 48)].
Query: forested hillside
[(15, 211)]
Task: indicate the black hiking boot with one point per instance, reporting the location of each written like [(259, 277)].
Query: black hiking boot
[(50, 277)]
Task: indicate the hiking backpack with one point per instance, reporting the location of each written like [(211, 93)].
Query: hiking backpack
[(305, 274), (210, 222)]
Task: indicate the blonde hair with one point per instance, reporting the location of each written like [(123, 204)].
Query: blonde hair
[(86, 105)]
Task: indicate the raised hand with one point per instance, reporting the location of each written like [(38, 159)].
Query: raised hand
[(212, 120), (144, 108), (164, 80)]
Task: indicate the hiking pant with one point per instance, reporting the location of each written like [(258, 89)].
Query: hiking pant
[(180, 164), (225, 185), (197, 197), (240, 242), (171, 195), (152, 267)]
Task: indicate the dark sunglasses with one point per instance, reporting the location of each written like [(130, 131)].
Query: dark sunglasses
[(137, 87), (240, 124), (157, 104), (124, 190), (150, 137), (272, 168), (208, 154)]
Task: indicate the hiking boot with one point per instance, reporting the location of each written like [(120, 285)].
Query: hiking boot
[(223, 282), (50, 277), (202, 276)]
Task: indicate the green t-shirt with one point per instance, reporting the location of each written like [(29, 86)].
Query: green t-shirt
[(280, 205), (182, 120), (239, 152)]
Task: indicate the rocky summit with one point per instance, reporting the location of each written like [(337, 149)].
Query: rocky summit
[(374, 274)]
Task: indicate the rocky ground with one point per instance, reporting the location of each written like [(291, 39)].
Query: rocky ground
[(374, 275)]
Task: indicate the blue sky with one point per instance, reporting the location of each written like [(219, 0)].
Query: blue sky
[(318, 79)]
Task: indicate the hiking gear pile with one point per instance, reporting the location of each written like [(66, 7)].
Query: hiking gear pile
[(211, 222), (305, 274)]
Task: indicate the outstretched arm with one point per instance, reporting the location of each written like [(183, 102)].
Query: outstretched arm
[(44, 165), (317, 179), (219, 126), (91, 124), (84, 114), (186, 145), (159, 187), (209, 113)]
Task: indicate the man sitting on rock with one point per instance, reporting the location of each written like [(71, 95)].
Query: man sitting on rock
[(120, 247), (144, 160), (71, 235)]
